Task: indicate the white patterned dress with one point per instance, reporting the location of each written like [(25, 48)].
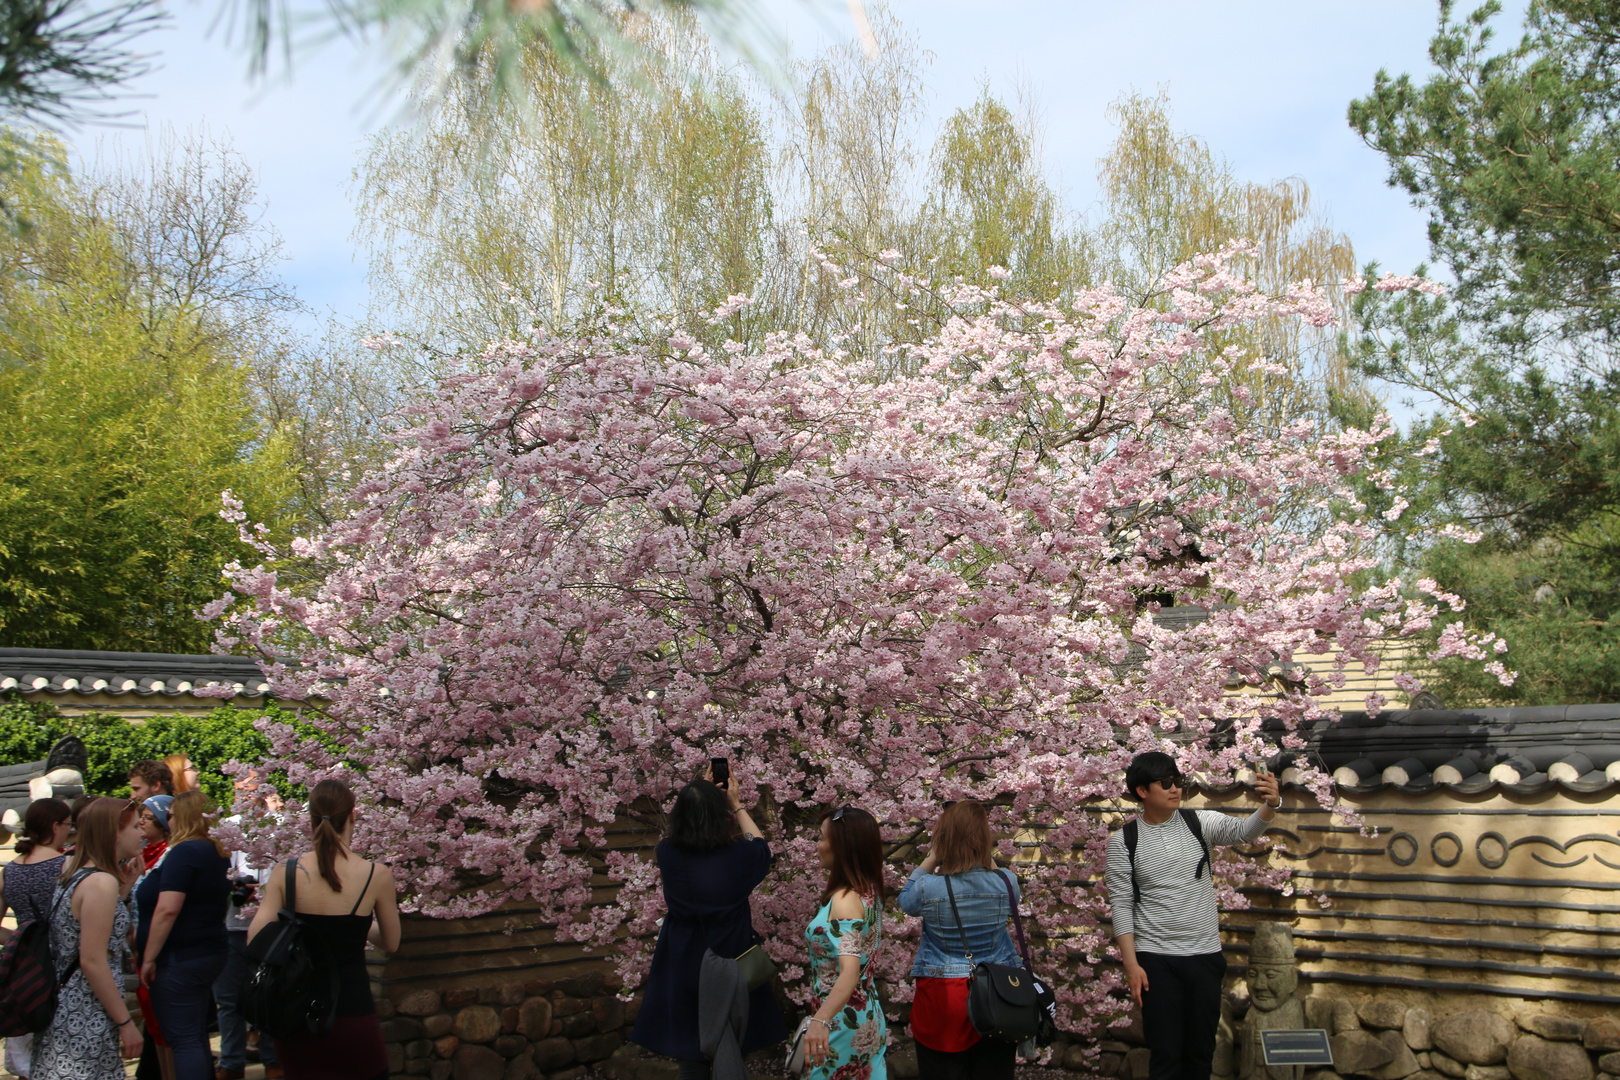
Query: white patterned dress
[(82, 1042)]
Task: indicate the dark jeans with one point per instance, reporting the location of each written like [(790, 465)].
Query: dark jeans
[(181, 992), (987, 1059), (1181, 1011), (228, 995)]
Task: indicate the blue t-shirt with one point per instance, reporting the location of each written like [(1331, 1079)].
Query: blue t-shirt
[(196, 869)]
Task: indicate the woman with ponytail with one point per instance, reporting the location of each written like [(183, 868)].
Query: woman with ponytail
[(345, 901), (26, 885)]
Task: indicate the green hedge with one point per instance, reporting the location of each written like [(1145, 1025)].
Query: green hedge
[(28, 729)]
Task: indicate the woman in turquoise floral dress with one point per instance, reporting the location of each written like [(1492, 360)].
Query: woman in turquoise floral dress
[(847, 1035)]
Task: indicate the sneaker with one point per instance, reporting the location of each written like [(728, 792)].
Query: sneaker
[(222, 1073)]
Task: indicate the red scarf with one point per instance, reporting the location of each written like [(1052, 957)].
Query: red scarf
[(153, 852)]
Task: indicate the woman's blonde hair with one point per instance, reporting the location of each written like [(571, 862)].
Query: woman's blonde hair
[(962, 839), (178, 764), (188, 820)]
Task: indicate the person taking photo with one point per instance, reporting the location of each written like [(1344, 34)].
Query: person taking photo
[(1166, 920)]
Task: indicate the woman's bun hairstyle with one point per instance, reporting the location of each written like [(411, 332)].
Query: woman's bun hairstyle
[(40, 822)]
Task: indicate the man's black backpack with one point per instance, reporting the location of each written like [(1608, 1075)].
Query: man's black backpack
[(1188, 816), (293, 988), (28, 973)]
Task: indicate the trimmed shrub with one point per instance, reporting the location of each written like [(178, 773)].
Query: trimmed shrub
[(27, 730)]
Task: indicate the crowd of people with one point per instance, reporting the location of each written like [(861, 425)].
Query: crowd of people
[(714, 856), (138, 889), (137, 893)]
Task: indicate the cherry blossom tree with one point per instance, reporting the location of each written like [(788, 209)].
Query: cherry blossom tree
[(593, 564)]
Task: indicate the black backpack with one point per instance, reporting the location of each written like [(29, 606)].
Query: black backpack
[(1193, 824), (293, 987), (29, 982)]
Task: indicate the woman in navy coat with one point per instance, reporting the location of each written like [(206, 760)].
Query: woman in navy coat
[(712, 859)]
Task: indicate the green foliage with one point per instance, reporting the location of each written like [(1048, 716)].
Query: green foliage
[(28, 730), (1556, 603), (1513, 154), (122, 418)]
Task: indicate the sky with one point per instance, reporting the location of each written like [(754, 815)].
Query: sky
[(1264, 82)]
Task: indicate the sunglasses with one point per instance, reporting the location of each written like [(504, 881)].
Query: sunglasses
[(838, 814), (1177, 781)]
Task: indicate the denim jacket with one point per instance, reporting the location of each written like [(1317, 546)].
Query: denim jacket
[(981, 897)]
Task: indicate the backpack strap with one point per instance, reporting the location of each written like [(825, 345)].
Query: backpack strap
[(289, 889), (363, 889), (1131, 832), (73, 883), (1196, 827)]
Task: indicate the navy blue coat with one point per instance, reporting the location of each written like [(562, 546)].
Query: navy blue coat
[(707, 896)]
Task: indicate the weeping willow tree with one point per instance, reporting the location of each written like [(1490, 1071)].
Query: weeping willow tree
[(651, 197), (1167, 196)]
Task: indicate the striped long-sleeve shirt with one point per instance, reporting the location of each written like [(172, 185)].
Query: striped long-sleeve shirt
[(1177, 915)]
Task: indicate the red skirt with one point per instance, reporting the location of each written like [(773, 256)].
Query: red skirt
[(939, 1018), (352, 1051)]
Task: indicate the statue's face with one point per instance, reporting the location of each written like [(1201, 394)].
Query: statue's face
[(1271, 984)]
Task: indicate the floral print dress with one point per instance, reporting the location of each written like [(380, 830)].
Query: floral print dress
[(859, 1032)]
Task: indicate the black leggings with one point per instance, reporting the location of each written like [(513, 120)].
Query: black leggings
[(987, 1059)]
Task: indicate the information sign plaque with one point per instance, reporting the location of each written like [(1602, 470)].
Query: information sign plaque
[(1305, 1046)]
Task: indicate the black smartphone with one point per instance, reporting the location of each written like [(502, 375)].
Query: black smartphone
[(721, 768)]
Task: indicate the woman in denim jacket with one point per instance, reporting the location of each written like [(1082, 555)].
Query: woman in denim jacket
[(963, 852)]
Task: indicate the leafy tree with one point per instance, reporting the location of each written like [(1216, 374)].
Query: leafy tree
[(1513, 154), (652, 199), (123, 415)]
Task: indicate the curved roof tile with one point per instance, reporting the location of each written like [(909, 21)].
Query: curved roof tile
[(65, 671)]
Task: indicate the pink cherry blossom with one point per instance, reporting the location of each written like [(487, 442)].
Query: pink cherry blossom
[(592, 564)]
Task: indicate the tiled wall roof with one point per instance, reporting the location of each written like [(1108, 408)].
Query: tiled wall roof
[(1521, 750), (64, 671)]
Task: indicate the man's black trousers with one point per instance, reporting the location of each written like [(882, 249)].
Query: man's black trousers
[(1181, 1011)]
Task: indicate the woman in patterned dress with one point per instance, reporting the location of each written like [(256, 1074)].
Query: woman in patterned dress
[(92, 1029), (26, 887), (847, 1036)]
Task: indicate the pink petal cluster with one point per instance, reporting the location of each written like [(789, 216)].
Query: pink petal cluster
[(593, 564)]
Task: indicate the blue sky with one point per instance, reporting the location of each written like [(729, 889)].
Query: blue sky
[(1265, 83)]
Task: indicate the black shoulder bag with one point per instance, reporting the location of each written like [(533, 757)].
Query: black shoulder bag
[(1007, 1003)]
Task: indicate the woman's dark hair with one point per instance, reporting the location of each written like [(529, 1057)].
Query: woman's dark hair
[(962, 840), (40, 822), (1147, 768), (857, 850), (702, 819), (330, 804)]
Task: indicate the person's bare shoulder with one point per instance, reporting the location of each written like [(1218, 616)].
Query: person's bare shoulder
[(847, 904)]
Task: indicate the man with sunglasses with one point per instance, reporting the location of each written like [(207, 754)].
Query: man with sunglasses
[(1166, 922)]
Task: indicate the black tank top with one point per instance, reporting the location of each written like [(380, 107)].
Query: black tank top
[(343, 938)]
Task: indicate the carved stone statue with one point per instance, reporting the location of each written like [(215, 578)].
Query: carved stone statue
[(1273, 1002)]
